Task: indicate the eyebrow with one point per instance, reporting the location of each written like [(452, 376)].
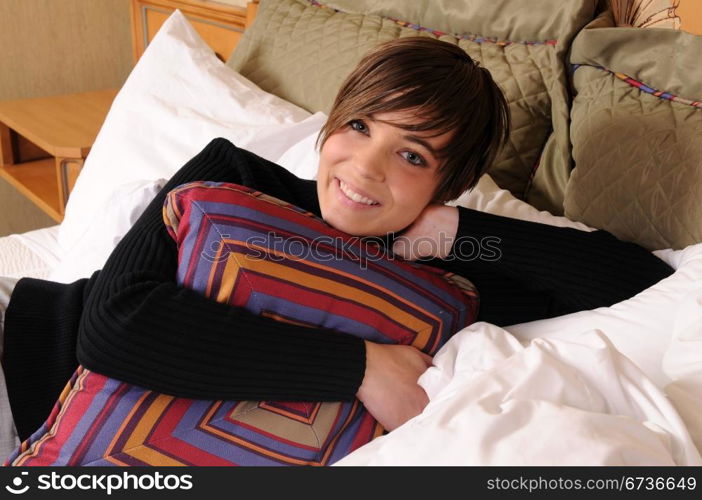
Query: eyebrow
[(412, 138), (422, 142)]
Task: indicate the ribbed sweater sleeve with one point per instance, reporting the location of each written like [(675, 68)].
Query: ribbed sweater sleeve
[(139, 326), (526, 270), (40, 347)]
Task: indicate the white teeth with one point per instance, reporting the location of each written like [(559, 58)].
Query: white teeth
[(354, 195)]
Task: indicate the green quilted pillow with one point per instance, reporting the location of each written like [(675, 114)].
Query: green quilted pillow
[(301, 50), (637, 134)]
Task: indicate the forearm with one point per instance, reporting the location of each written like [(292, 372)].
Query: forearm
[(173, 343), (576, 269)]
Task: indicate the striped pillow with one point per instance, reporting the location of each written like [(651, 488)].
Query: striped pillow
[(244, 248)]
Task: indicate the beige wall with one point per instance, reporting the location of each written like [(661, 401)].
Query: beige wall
[(690, 12), (50, 47)]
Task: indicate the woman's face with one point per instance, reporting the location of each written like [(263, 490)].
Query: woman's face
[(374, 177)]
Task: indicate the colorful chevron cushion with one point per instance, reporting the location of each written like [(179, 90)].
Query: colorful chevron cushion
[(247, 249)]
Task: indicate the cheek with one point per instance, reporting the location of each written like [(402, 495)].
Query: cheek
[(333, 149), (330, 155), (413, 192)]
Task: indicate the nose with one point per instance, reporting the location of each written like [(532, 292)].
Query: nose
[(370, 163)]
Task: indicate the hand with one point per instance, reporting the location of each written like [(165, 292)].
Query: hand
[(431, 235), (389, 390)]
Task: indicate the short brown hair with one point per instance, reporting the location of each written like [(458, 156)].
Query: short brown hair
[(441, 84)]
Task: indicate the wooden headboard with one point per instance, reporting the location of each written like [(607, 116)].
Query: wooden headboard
[(220, 25)]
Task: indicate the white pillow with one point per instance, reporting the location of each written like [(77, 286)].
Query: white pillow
[(489, 197), (107, 226), (302, 159), (178, 98)]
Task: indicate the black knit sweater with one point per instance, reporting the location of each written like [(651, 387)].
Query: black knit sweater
[(133, 322)]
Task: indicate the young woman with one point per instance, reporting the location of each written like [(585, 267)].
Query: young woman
[(413, 126)]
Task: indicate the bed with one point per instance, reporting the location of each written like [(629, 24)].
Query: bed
[(613, 386)]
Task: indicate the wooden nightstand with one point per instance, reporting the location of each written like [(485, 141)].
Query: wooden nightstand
[(44, 141)]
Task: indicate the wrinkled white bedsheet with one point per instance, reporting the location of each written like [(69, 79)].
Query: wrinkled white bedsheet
[(569, 396), (33, 254), (554, 402)]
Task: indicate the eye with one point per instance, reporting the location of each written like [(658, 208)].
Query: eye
[(359, 126), (414, 158)]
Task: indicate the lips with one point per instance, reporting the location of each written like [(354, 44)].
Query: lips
[(355, 195)]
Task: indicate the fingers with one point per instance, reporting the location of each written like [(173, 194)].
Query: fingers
[(389, 389), (428, 360), (424, 357)]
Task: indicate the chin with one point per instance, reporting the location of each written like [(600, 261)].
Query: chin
[(353, 229), (350, 228)]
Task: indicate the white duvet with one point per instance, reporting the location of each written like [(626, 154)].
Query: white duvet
[(567, 396)]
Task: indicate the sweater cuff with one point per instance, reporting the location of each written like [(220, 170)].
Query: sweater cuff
[(465, 217), (355, 361)]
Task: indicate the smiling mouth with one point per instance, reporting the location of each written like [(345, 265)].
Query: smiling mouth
[(354, 196)]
